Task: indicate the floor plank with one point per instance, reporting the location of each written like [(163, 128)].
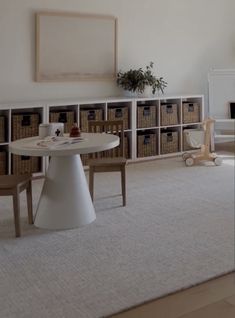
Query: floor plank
[(231, 300), (187, 301), (216, 310)]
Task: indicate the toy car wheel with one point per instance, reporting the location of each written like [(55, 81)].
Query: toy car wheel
[(189, 162), (185, 155), (218, 161)]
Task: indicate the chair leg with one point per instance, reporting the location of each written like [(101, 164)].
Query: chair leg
[(29, 202), (16, 206), (123, 179), (91, 182)]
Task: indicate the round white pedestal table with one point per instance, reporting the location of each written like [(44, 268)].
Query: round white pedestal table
[(65, 200)]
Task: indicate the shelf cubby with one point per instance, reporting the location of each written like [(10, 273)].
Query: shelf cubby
[(89, 112), (147, 143), (120, 111), (67, 114), (170, 140)]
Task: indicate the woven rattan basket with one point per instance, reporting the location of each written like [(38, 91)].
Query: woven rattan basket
[(169, 114), (89, 114), (3, 161), (146, 116), (25, 164), (112, 153), (66, 117), (169, 142), (84, 159), (2, 129), (126, 147), (191, 112), (25, 125), (146, 144), (116, 152), (119, 113)]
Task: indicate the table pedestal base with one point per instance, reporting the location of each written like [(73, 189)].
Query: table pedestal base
[(65, 201)]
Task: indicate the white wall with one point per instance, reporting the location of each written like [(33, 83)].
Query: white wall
[(184, 38)]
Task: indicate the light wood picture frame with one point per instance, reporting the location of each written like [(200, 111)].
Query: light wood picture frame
[(75, 46)]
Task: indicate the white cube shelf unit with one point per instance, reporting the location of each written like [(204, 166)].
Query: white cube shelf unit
[(166, 120), (143, 117)]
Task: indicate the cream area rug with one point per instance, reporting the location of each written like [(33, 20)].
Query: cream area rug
[(177, 230)]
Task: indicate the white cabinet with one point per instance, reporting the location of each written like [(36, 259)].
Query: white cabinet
[(150, 123)]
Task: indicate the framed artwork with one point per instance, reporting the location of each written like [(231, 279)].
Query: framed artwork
[(74, 46)]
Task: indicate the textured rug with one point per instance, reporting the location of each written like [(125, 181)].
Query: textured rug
[(177, 230)]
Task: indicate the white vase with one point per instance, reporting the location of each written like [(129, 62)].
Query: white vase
[(148, 92), (130, 94)]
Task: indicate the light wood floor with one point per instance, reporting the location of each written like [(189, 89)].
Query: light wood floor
[(213, 299)]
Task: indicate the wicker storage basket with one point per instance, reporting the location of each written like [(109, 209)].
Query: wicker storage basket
[(117, 150), (169, 142), (114, 152), (89, 114), (66, 117), (119, 113), (3, 161), (126, 147), (2, 129), (25, 125), (25, 164), (146, 144), (146, 116), (191, 113), (84, 159), (169, 114)]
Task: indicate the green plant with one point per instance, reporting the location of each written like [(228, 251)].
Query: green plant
[(156, 83), (137, 80), (132, 80)]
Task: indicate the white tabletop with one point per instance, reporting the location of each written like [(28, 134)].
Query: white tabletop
[(92, 142)]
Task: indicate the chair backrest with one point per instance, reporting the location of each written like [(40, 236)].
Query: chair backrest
[(114, 127)]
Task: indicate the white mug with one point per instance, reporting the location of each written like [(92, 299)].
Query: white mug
[(43, 130)]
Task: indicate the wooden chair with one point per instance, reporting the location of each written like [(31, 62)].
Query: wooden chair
[(14, 185), (109, 160)]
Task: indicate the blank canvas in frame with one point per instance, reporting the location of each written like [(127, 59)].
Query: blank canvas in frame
[(75, 46)]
